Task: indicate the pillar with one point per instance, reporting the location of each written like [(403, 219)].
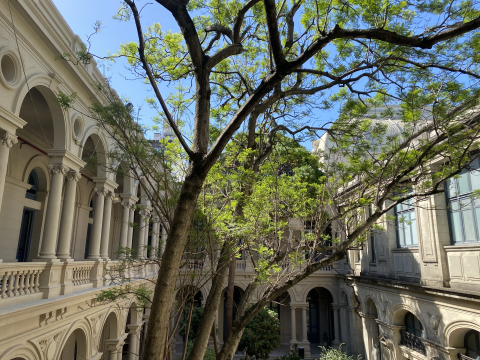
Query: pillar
[(96, 237), (130, 229), (144, 251), (164, 240), (146, 317), (155, 238), (107, 217), (124, 226), (6, 142), (336, 326), (52, 218), (305, 343), (293, 324), (134, 341), (68, 214)]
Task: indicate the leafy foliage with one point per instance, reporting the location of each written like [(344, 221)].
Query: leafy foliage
[(261, 335)]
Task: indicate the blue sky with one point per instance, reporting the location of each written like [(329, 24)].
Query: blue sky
[(81, 16)]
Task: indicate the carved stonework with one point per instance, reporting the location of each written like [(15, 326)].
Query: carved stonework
[(57, 169), (49, 345), (96, 329), (435, 322), (9, 139), (73, 175), (101, 191), (46, 318)]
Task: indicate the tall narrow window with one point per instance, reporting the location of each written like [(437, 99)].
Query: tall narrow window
[(464, 209), (406, 224), (372, 239), (472, 344), (89, 231), (28, 217)]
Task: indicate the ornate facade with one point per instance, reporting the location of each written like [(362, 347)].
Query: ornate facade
[(61, 223)]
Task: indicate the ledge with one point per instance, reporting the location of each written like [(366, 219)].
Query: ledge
[(459, 248)]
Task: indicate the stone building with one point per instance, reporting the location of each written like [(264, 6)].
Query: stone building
[(61, 223)]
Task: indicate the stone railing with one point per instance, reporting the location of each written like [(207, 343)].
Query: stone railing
[(241, 265), (464, 357), (20, 279), (24, 282)]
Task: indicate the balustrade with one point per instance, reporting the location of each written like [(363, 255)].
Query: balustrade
[(81, 274), (19, 280), (241, 265), (464, 357), (412, 342)]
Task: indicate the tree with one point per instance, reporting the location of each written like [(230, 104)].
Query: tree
[(261, 336), (272, 67)]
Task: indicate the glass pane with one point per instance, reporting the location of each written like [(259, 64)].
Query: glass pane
[(456, 227), (463, 183), (475, 179), (469, 225), (470, 344), (401, 236), (414, 233), (450, 186), (408, 234), (454, 205)]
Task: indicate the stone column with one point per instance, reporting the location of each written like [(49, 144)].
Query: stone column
[(145, 234), (124, 226), (6, 142), (68, 214), (293, 325), (107, 217), (146, 317), (52, 218), (155, 237), (134, 341), (305, 343), (96, 236), (164, 240), (336, 325), (130, 229)]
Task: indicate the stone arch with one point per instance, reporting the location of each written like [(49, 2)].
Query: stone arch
[(291, 294), (99, 146), (398, 312), (38, 162), (110, 330), (368, 305), (81, 333), (38, 88), (22, 352), (326, 286), (344, 298), (454, 333)]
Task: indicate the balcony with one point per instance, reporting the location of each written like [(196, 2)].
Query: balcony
[(413, 342), (30, 281)]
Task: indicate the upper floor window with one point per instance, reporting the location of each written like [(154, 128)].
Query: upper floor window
[(472, 344), (412, 336), (464, 210), (406, 224), (32, 180), (413, 325)]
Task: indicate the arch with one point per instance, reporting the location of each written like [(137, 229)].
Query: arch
[(454, 333), (42, 84), (22, 352), (99, 146), (369, 306), (39, 163), (110, 319), (398, 312), (313, 286), (80, 331)]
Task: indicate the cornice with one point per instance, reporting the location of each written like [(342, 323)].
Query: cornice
[(9, 121)]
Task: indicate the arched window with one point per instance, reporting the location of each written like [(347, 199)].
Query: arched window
[(32, 180), (472, 344), (413, 325)]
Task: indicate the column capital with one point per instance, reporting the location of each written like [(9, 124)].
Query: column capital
[(115, 344), (9, 139), (109, 195), (57, 168), (73, 175), (101, 191), (155, 219), (135, 328)]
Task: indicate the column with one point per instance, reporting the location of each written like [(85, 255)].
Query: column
[(293, 325), (164, 240), (96, 236), (107, 217), (130, 229), (124, 226), (68, 214), (6, 142), (336, 325), (141, 233), (155, 238), (134, 341), (52, 218), (305, 343), (145, 235), (146, 317)]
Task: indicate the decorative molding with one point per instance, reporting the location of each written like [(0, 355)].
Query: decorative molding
[(435, 322), (57, 168), (101, 191), (73, 175), (9, 139)]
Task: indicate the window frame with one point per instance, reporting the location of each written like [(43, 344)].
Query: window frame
[(477, 343), (401, 227)]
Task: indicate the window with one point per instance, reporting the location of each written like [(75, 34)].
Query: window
[(406, 224), (413, 325), (89, 232), (472, 344), (32, 180), (372, 239), (464, 210)]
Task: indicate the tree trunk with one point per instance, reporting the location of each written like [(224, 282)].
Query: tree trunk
[(187, 330), (211, 306), (159, 321), (230, 292)]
